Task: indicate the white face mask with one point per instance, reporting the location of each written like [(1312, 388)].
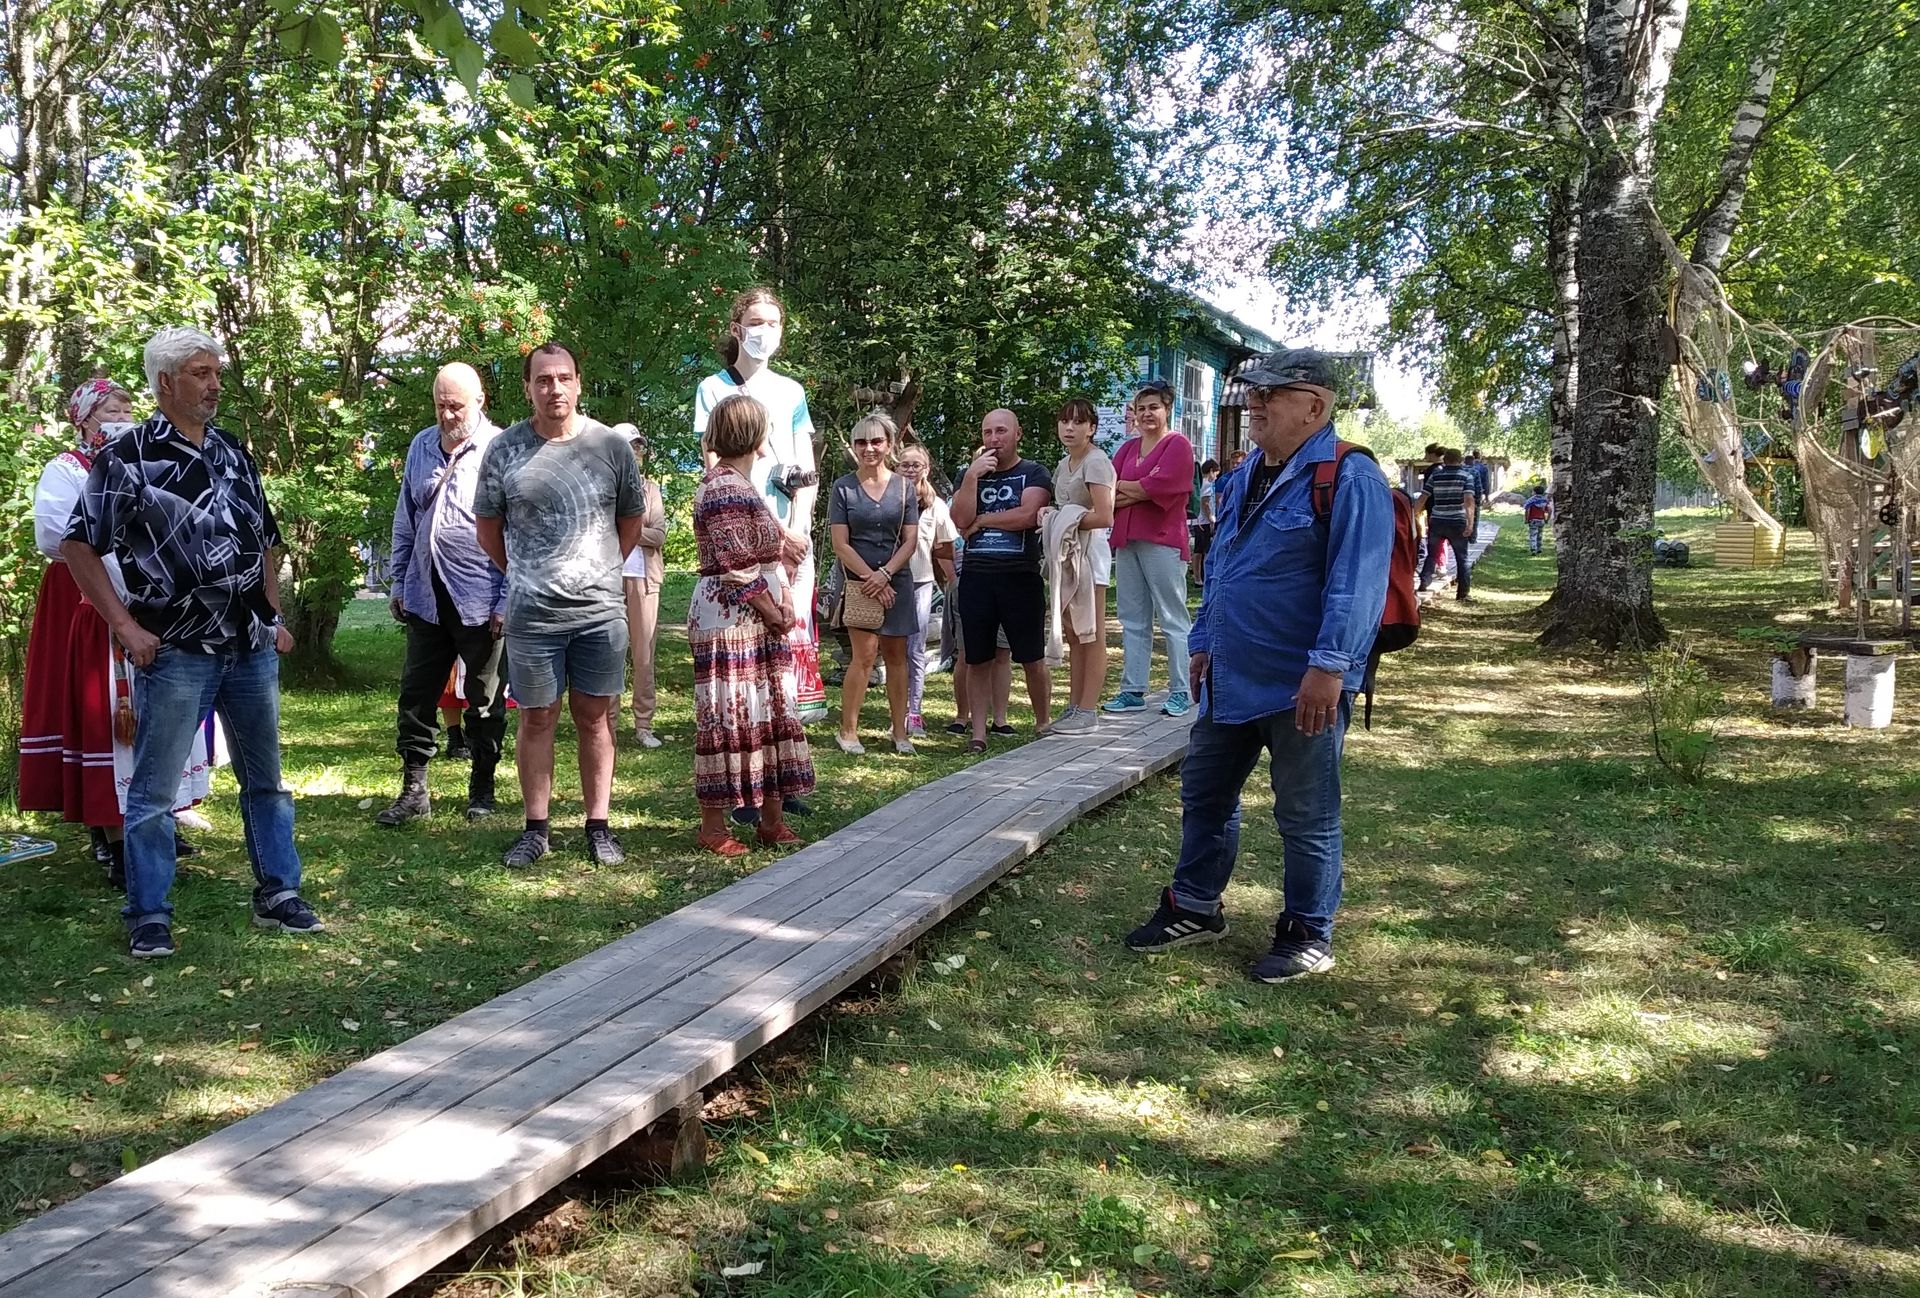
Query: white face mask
[(760, 341)]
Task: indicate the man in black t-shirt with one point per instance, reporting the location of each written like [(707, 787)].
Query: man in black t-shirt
[(997, 509)]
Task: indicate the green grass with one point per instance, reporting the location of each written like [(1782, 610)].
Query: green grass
[(1592, 1033)]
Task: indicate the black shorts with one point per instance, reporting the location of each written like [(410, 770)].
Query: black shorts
[(1202, 539), (991, 601)]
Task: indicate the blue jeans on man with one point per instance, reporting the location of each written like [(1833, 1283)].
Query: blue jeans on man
[(1305, 773), (174, 693)]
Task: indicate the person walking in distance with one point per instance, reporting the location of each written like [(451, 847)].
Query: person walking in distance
[(997, 508), (179, 503), (1452, 516), (1538, 508), (449, 595), (642, 574), (558, 508), (1292, 605)]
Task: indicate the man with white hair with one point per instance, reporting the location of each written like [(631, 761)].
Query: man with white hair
[(449, 596), (180, 504)]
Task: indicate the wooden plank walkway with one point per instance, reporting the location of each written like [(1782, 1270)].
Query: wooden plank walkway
[(1483, 538), (363, 1182)]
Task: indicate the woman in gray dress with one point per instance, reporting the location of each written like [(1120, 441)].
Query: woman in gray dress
[(875, 515)]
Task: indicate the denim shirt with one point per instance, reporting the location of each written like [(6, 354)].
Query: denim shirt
[(1285, 592), (433, 531)]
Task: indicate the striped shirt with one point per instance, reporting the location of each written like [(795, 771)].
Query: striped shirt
[(1449, 488)]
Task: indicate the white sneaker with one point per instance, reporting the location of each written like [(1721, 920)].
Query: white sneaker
[(851, 747), (904, 747), (646, 737)]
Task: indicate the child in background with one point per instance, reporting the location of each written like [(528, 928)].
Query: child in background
[(1539, 511)]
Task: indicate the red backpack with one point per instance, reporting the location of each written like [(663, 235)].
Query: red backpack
[(1400, 620)]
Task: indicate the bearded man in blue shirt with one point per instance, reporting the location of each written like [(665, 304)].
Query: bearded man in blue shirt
[(1279, 648)]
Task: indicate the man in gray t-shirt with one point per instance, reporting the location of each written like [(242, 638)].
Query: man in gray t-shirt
[(558, 506)]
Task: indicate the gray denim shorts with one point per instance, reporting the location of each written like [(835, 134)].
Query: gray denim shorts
[(542, 666)]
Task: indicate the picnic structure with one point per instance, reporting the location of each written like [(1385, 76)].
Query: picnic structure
[(358, 1185)]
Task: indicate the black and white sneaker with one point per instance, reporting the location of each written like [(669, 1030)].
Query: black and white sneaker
[(526, 849), (150, 942), (1295, 954), (1173, 927), (290, 915)]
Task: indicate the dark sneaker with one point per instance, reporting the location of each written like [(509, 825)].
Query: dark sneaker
[(745, 815), (457, 749), (1173, 927), (526, 849), (793, 807), (957, 728), (182, 849), (1005, 732), (150, 942), (604, 848), (1296, 953), (290, 915)]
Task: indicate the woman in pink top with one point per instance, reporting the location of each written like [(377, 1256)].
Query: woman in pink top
[(1150, 550)]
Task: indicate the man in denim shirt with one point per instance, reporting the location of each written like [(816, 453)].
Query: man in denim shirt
[(449, 596), (1290, 610)]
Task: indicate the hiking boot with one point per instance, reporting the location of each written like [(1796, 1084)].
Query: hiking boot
[(413, 801), (1295, 953), (150, 942), (1177, 704), (480, 793), (1126, 701), (1173, 927), (526, 849), (290, 915), (457, 750), (603, 848)]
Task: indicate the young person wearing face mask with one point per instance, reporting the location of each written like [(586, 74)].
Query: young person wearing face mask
[(784, 473), (70, 754)]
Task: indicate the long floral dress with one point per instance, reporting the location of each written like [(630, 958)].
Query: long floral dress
[(748, 742)]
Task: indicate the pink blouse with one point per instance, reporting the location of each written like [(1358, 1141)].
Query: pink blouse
[(1166, 476)]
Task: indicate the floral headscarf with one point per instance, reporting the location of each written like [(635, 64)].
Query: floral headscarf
[(86, 402)]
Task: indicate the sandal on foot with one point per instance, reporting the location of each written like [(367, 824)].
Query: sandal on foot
[(785, 838), (725, 845), (977, 746)]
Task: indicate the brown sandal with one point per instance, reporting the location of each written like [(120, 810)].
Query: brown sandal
[(725, 845), (785, 838)]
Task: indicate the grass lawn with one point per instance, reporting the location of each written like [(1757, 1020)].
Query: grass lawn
[(1591, 1033)]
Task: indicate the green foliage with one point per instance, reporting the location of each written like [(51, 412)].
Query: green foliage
[(1684, 704)]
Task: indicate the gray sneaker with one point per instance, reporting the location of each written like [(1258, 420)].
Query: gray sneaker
[(528, 848), (1076, 721)]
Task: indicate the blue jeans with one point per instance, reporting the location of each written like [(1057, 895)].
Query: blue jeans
[(1306, 808), (171, 695), (1150, 581)]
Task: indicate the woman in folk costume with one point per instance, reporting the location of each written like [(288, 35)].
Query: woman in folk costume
[(76, 731)]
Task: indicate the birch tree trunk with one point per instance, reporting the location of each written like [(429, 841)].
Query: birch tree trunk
[(1604, 594), (1698, 314)]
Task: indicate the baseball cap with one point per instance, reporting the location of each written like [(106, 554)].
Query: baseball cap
[(1292, 367)]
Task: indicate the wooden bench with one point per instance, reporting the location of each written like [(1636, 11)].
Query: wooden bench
[(361, 1183)]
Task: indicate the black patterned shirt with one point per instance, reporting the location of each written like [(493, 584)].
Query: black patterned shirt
[(191, 527)]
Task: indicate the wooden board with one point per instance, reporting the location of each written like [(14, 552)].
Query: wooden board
[(373, 1176)]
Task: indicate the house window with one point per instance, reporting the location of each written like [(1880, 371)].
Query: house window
[(1196, 402)]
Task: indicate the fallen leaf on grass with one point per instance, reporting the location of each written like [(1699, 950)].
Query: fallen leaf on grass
[(1322, 1105), (364, 803), (757, 1156), (1667, 1128), (249, 1045), (77, 1170), (1297, 1255), (1529, 1245), (745, 1268), (351, 1025)]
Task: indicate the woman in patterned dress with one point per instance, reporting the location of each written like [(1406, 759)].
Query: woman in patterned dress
[(749, 747)]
